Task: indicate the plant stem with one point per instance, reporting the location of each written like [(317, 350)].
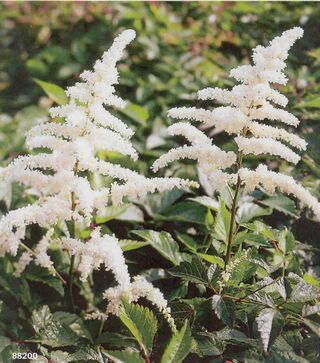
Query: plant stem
[(71, 282), (100, 328), (72, 235), (233, 212)]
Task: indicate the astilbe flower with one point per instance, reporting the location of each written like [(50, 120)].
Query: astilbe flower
[(58, 176), (251, 102)]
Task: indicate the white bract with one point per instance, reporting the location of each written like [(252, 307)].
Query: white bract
[(250, 103), (58, 174)]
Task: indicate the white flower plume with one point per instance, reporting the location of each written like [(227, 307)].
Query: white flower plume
[(65, 155), (251, 103)]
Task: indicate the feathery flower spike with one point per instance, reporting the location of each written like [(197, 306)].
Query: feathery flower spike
[(59, 177), (251, 102)]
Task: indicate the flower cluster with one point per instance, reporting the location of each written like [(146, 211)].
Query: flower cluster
[(251, 102), (58, 175)]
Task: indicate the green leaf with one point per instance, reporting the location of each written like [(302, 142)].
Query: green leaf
[(243, 270), (142, 324), (186, 211), (215, 343), (313, 326), (39, 275), (136, 113), (208, 345), (179, 346), (74, 322), (286, 241), (116, 340), (222, 222), (206, 202), (111, 212), (303, 292), (282, 352), (201, 310), (130, 244), (163, 243), (310, 309), (282, 204), (188, 241), (50, 331), (220, 308), (193, 271), (56, 93), (269, 322), (261, 228), (85, 354), (159, 202), (252, 239), (247, 211), (122, 356), (58, 356), (216, 260), (209, 219)]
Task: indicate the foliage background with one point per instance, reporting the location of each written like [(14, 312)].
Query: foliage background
[(180, 48)]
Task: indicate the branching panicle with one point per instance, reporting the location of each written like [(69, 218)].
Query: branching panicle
[(65, 195), (250, 102)]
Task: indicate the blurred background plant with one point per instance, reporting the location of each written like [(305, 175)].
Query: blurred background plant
[(180, 48)]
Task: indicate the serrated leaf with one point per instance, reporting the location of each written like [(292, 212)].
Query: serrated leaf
[(142, 324), (209, 346), (220, 308), (56, 93), (58, 356), (50, 331), (42, 276), (251, 239), (261, 228), (186, 211), (303, 292), (74, 322), (247, 211), (268, 320), (116, 340), (201, 310), (193, 271), (215, 260), (179, 346), (313, 326), (86, 354), (222, 222), (243, 271), (160, 202), (310, 309), (188, 241), (282, 204), (181, 311), (163, 243), (122, 356), (282, 352)]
